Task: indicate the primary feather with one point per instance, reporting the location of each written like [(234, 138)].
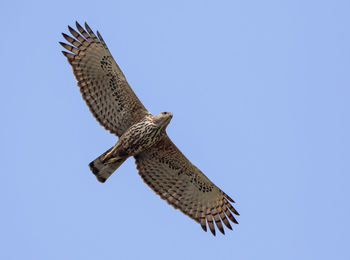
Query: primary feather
[(161, 164)]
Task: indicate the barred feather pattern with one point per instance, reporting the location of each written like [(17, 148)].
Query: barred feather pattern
[(160, 163), (101, 82), (175, 179)]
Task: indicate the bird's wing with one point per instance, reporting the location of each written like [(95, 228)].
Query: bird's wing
[(175, 179), (101, 82)]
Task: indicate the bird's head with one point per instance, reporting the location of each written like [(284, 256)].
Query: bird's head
[(163, 119)]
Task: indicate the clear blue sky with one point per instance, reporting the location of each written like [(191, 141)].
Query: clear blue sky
[(260, 94)]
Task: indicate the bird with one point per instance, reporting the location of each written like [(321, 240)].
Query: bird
[(161, 165)]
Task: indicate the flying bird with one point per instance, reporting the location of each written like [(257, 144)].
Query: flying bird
[(142, 135)]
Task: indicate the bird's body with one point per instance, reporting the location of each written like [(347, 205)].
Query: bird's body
[(143, 134), (160, 163), (139, 137)]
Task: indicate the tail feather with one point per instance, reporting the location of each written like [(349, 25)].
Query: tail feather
[(104, 168)]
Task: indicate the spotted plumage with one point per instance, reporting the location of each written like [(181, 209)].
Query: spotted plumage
[(160, 163)]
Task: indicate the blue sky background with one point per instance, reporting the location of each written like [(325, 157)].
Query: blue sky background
[(260, 95)]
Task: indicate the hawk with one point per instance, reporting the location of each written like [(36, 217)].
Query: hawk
[(142, 135)]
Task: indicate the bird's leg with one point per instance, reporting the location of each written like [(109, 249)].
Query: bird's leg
[(114, 160), (110, 153), (115, 154)]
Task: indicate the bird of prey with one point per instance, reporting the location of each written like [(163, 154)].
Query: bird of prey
[(142, 135)]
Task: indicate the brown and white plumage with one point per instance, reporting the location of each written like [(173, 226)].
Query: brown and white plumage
[(102, 83), (160, 163), (174, 178)]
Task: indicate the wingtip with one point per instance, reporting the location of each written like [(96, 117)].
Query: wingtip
[(65, 53), (80, 28), (235, 220), (222, 230), (218, 223), (66, 36), (229, 198), (225, 220), (70, 28), (203, 225), (100, 37)]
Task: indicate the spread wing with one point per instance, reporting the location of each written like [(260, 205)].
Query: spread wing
[(175, 179), (101, 82)]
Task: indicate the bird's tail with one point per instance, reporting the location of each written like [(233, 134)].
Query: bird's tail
[(103, 168)]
